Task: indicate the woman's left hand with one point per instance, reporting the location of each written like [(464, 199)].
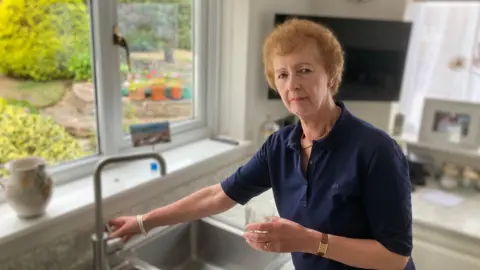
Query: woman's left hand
[(279, 235)]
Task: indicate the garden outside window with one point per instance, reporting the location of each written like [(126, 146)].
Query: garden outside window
[(67, 94)]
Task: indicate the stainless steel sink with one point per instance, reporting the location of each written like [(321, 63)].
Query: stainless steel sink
[(135, 264), (205, 245)]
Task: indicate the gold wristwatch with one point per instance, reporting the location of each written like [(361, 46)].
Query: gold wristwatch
[(323, 246)]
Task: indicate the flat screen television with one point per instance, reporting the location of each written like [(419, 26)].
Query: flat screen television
[(375, 54)]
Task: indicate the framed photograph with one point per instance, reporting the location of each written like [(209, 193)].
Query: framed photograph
[(476, 57), (150, 133), (476, 53), (453, 124)]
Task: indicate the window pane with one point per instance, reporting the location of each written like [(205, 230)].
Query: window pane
[(46, 98), (159, 84)]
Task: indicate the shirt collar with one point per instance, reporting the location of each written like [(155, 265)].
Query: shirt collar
[(329, 141)]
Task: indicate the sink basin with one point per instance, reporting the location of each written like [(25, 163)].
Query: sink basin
[(206, 244), (135, 264)]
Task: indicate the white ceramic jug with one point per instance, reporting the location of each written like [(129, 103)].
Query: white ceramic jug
[(28, 188)]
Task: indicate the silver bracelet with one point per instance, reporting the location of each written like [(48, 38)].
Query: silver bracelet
[(140, 224)]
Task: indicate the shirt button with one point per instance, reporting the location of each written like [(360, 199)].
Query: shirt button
[(310, 162)]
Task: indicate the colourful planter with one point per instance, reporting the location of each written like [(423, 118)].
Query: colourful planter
[(138, 94), (158, 92), (176, 93), (187, 94), (125, 91)]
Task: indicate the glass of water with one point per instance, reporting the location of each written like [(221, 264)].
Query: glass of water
[(259, 212)]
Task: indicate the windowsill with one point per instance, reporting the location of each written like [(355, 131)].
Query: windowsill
[(71, 206)]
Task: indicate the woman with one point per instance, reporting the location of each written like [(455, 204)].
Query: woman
[(341, 186)]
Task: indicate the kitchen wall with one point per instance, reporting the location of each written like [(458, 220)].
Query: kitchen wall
[(73, 250), (245, 25), (244, 107)]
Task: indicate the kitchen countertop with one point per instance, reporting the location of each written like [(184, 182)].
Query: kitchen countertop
[(463, 218)]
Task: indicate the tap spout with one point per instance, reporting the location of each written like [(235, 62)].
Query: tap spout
[(99, 239)]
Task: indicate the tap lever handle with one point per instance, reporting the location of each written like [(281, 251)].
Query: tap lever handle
[(108, 228), (114, 245)]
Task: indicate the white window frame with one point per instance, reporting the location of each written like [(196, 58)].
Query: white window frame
[(201, 23), (106, 69)]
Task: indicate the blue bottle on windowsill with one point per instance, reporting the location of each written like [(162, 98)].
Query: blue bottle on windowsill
[(154, 169)]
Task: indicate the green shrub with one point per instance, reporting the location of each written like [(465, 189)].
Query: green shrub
[(184, 19), (79, 65), (144, 40), (185, 26), (23, 134), (39, 37)]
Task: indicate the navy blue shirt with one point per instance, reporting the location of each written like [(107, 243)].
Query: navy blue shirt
[(357, 185)]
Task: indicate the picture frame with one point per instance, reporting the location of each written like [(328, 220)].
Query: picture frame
[(450, 124), (476, 58), (476, 53), (150, 133)]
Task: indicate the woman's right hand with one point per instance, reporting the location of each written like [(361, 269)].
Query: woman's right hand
[(124, 227)]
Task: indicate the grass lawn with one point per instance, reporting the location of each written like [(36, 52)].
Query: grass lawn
[(42, 95), (37, 94)]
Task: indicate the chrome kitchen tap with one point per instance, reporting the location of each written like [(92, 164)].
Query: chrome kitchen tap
[(100, 237)]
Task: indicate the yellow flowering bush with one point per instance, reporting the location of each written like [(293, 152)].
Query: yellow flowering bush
[(25, 134), (44, 39)]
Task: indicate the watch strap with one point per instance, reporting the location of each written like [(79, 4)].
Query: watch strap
[(323, 246)]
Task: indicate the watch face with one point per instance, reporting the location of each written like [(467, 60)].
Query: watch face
[(322, 249)]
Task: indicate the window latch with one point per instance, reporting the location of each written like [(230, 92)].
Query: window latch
[(119, 40)]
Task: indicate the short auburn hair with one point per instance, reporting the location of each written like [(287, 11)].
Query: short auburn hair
[(292, 35)]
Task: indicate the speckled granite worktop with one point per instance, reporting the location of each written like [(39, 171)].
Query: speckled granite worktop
[(463, 218)]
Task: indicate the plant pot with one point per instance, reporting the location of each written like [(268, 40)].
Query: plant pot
[(158, 92), (176, 93), (28, 188), (137, 94)]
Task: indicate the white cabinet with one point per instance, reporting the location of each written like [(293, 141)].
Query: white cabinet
[(437, 249), (428, 256)]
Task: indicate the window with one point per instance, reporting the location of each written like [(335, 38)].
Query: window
[(167, 77), (158, 85), (46, 102), (433, 48), (58, 105)]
